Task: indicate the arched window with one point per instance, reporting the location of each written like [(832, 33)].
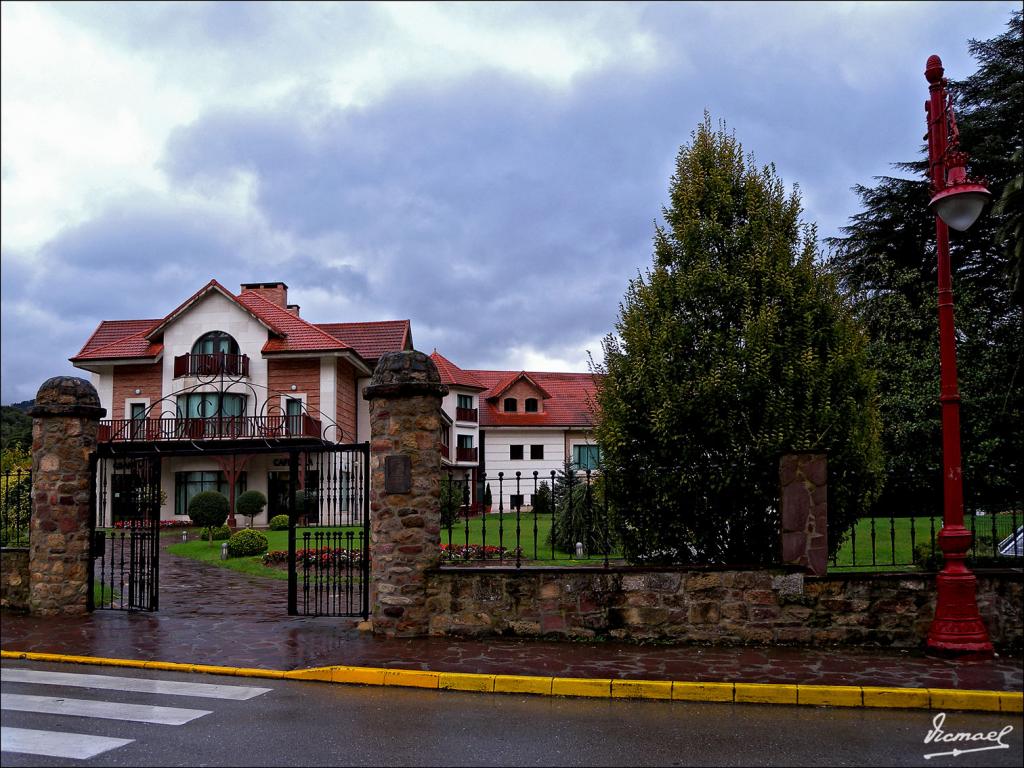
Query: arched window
[(531, 405), (511, 405), (215, 341)]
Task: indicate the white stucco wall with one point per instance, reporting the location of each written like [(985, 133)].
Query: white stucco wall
[(497, 445), (362, 411)]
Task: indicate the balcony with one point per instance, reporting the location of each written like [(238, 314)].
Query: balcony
[(465, 454), (211, 365), (466, 414), (212, 428)]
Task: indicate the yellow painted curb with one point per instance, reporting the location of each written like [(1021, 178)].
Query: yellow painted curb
[(906, 698), (984, 701), (765, 693), (815, 695), (1011, 702), (457, 681), (830, 695), (579, 686), (357, 675), (522, 684), (411, 678), (641, 689)]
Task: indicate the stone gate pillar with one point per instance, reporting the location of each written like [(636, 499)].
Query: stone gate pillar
[(65, 420), (405, 396)]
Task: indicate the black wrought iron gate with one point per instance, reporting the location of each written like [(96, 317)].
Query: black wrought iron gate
[(329, 531), (125, 533)]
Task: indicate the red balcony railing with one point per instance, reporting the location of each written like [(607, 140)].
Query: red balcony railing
[(465, 454), (209, 428), (211, 365), (465, 414)]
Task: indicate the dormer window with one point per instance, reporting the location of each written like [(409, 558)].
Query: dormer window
[(531, 405), (511, 405), (213, 342)]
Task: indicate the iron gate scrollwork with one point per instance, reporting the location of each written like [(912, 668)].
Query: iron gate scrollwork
[(329, 531), (125, 533)]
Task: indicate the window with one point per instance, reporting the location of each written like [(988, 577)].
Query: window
[(205, 405), (531, 405), (138, 416), (536, 451), (465, 401), (515, 501), (188, 484), (213, 342), (586, 456), (465, 441), (515, 452), (511, 405), (293, 413)]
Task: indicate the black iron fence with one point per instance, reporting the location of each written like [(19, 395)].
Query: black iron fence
[(526, 518), (15, 507), (878, 542)]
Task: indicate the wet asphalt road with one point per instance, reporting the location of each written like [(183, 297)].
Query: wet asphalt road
[(305, 723)]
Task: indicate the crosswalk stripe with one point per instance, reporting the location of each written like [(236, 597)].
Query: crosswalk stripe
[(131, 684), (78, 746), (109, 710)]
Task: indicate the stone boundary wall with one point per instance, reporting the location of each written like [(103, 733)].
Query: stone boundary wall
[(708, 606), (14, 579)]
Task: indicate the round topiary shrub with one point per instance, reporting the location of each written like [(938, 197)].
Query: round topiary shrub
[(250, 504), (209, 510), (279, 523), (247, 543), (220, 533)]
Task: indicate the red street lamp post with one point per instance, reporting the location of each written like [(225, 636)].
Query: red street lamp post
[(957, 202)]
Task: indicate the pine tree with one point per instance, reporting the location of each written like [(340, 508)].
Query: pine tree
[(734, 348), (887, 261)]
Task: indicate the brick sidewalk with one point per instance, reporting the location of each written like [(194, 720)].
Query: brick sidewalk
[(211, 615)]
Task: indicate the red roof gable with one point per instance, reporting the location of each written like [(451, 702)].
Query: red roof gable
[(497, 390), (213, 285), (452, 375), (119, 338), (568, 404), (373, 339), (296, 335)]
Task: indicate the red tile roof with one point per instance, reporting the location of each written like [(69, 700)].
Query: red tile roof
[(452, 375), (296, 334), (568, 404), (142, 339), (120, 338), (372, 339), (502, 386)]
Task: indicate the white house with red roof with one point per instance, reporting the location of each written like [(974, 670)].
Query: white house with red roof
[(234, 367), (225, 368)]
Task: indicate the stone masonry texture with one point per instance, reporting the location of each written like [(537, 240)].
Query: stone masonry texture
[(64, 426), (708, 606), (405, 395), (803, 478), (14, 579)]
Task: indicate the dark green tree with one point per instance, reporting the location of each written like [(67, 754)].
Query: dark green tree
[(209, 510), (886, 259), (250, 504), (733, 349)]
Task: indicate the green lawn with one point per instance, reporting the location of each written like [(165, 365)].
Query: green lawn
[(499, 530)]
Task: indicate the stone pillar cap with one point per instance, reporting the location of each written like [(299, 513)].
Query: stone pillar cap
[(67, 396), (405, 374)]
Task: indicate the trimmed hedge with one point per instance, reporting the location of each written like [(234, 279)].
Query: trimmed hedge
[(279, 523), (247, 543), (221, 533)]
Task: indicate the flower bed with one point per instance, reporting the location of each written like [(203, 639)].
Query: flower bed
[(463, 552), (308, 558)]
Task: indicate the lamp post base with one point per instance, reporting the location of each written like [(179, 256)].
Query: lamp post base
[(957, 628)]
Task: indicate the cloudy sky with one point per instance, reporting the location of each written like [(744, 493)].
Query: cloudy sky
[(492, 172)]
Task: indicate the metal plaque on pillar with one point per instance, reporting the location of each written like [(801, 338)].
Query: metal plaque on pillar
[(397, 474)]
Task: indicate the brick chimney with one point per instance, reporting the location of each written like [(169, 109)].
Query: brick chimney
[(276, 293), (294, 309)]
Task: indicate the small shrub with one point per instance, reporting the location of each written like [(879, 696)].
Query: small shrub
[(279, 523), (451, 500), (220, 533), (209, 510), (487, 496), (541, 501), (247, 543), (250, 504)]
